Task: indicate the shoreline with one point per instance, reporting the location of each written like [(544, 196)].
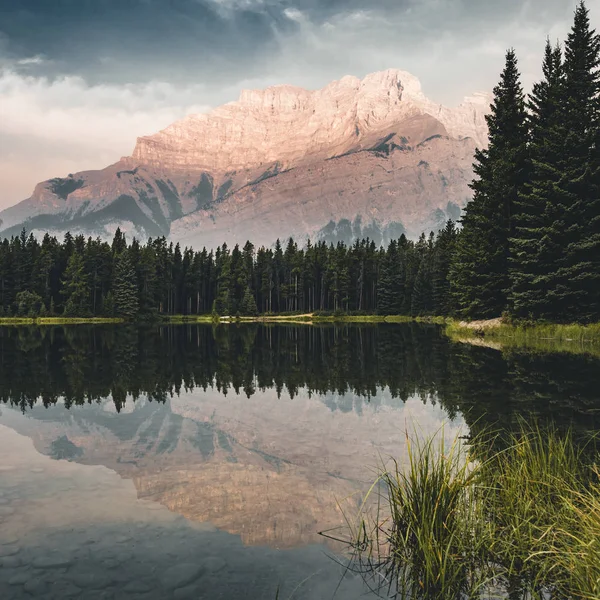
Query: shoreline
[(40, 321), (573, 338), (304, 319), (497, 329), (492, 329)]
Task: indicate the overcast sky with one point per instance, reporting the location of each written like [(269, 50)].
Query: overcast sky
[(81, 79)]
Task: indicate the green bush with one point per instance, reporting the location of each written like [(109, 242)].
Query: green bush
[(29, 304)]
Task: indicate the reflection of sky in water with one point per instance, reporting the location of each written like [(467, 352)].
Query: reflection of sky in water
[(273, 471)]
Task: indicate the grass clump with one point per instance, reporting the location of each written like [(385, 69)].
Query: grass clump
[(530, 486), (518, 515), (425, 537), (580, 534)]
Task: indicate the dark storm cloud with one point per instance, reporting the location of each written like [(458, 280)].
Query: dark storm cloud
[(178, 40), (135, 40)]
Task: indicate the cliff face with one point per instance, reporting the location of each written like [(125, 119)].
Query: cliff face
[(291, 126), (283, 158)]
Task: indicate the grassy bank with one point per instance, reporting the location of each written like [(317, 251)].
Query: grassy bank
[(180, 319), (543, 337), (11, 321), (538, 335), (521, 518), (526, 332), (305, 318), (318, 318), (362, 319)]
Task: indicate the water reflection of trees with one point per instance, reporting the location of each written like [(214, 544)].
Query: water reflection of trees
[(86, 364)]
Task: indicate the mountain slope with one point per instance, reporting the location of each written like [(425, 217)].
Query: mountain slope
[(278, 162)]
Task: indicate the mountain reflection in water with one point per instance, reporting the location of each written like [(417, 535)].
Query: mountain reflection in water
[(266, 432)]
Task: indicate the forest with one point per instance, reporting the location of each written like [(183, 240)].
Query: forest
[(80, 277), (527, 245)]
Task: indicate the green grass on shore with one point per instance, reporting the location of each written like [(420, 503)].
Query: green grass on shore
[(522, 516), (362, 319), (524, 332), (537, 336), (57, 321), (175, 319), (304, 318), (542, 337)]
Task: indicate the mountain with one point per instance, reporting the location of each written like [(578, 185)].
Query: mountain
[(278, 162)]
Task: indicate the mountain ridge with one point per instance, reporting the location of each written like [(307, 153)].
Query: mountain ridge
[(280, 161)]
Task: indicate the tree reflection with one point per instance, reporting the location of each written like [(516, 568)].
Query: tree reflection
[(347, 365)]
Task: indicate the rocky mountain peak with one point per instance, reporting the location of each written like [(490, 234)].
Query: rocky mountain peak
[(277, 98), (288, 124), (277, 162)]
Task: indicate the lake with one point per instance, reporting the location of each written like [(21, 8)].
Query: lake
[(204, 462)]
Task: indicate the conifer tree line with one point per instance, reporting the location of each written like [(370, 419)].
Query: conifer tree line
[(81, 277), (530, 239)]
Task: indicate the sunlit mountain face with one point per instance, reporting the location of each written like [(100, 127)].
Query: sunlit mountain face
[(279, 162)]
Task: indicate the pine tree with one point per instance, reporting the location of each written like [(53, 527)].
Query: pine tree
[(248, 260), (108, 305), (479, 276), (534, 256), (422, 292), (75, 288), (248, 305), (237, 280), (278, 277), (119, 244), (442, 257), (222, 304), (421, 299), (147, 281), (409, 259), (576, 288), (125, 288), (390, 285)]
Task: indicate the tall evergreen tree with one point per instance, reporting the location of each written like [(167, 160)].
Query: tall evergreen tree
[(479, 276), (248, 306), (443, 254), (534, 254), (390, 291), (119, 244), (422, 293), (75, 288), (147, 284), (576, 287), (222, 303), (108, 305), (126, 302)]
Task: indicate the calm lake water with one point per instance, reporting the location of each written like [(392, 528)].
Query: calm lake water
[(201, 462)]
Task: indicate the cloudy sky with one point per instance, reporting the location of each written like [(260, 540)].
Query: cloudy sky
[(81, 79)]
